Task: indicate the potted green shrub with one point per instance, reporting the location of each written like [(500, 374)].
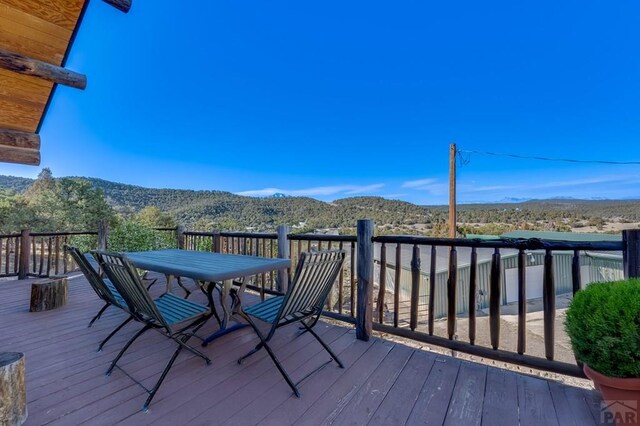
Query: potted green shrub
[(603, 323)]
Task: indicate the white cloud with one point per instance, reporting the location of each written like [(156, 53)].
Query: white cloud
[(315, 191), (419, 184), (431, 186)]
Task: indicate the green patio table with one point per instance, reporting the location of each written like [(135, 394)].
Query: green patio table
[(206, 269)]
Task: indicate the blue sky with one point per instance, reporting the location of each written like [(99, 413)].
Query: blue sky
[(333, 99)]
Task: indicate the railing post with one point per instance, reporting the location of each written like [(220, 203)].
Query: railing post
[(103, 234), (631, 253), (283, 253), (180, 236), (364, 311), (215, 243), (25, 244)]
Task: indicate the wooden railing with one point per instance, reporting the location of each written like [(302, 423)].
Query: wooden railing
[(396, 313), (9, 255), (374, 293), (37, 254)]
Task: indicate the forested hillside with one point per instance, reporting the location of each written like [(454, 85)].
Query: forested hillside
[(224, 210)]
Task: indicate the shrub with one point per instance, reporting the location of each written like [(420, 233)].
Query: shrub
[(129, 235), (603, 323)]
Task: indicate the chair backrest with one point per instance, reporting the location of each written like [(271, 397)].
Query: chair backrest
[(91, 274), (315, 274), (124, 277)]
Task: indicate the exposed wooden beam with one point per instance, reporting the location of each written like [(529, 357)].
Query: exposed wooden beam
[(29, 66), (30, 157), (17, 139), (122, 5)]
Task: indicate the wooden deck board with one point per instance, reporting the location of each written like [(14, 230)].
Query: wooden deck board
[(500, 398), (383, 382)]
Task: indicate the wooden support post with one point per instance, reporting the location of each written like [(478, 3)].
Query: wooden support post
[(121, 5), (180, 236), (283, 253), (631, 253), (215, 244), (47, 294), (364, 312), (13, 391), (24, 65), (103, 234), (25, 245)]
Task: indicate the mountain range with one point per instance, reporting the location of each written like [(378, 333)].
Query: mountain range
[(203, 209)]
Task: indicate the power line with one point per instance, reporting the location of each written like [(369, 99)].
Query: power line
[(566, 160)]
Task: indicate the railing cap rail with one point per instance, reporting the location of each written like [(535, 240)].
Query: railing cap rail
[(515, 243)]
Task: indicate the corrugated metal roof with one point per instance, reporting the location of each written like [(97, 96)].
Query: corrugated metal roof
[(563, 236)]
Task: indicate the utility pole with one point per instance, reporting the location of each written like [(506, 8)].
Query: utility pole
[(453, 219)]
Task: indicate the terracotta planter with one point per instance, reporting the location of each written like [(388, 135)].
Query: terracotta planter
[(620, 396)]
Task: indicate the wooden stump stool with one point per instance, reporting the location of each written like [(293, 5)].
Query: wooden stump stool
[(13, 403), (49, 293)]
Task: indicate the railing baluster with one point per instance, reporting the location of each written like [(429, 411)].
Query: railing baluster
[(16, 256), (452, 285), (432, 287), (494, 299), (382, 282), (7, 256), (64, 259), (340, 280), (49, 254), (575, 272), (33, 254), (57, 265), (549, 305), (352, 295), (1, 255), (473, 289), (396, 285), (263, 254), (522, 302), (271, 273), (415, 287)]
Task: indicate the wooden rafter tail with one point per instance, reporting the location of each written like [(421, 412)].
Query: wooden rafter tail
[(29, 66), (16, 139), (122, 5), (30, 157)]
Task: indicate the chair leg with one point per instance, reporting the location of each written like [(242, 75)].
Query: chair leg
[(123, 350), (186, 290), (145, 407), (99, 314), (251, 352), (273, 357), (324, 345), (114, 332)]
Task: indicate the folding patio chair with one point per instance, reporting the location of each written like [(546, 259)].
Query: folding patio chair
[(103, 288), (315, 274), (174, 317)]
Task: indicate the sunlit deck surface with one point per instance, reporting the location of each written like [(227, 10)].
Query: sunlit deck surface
[(383, 382)]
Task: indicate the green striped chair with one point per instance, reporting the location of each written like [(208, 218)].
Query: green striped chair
[(315, 274), (103, 288), (174, 317)]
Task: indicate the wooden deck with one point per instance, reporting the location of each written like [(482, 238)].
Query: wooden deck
[(384, 383)]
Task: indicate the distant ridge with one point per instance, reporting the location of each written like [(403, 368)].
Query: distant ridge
[(206, 209)]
